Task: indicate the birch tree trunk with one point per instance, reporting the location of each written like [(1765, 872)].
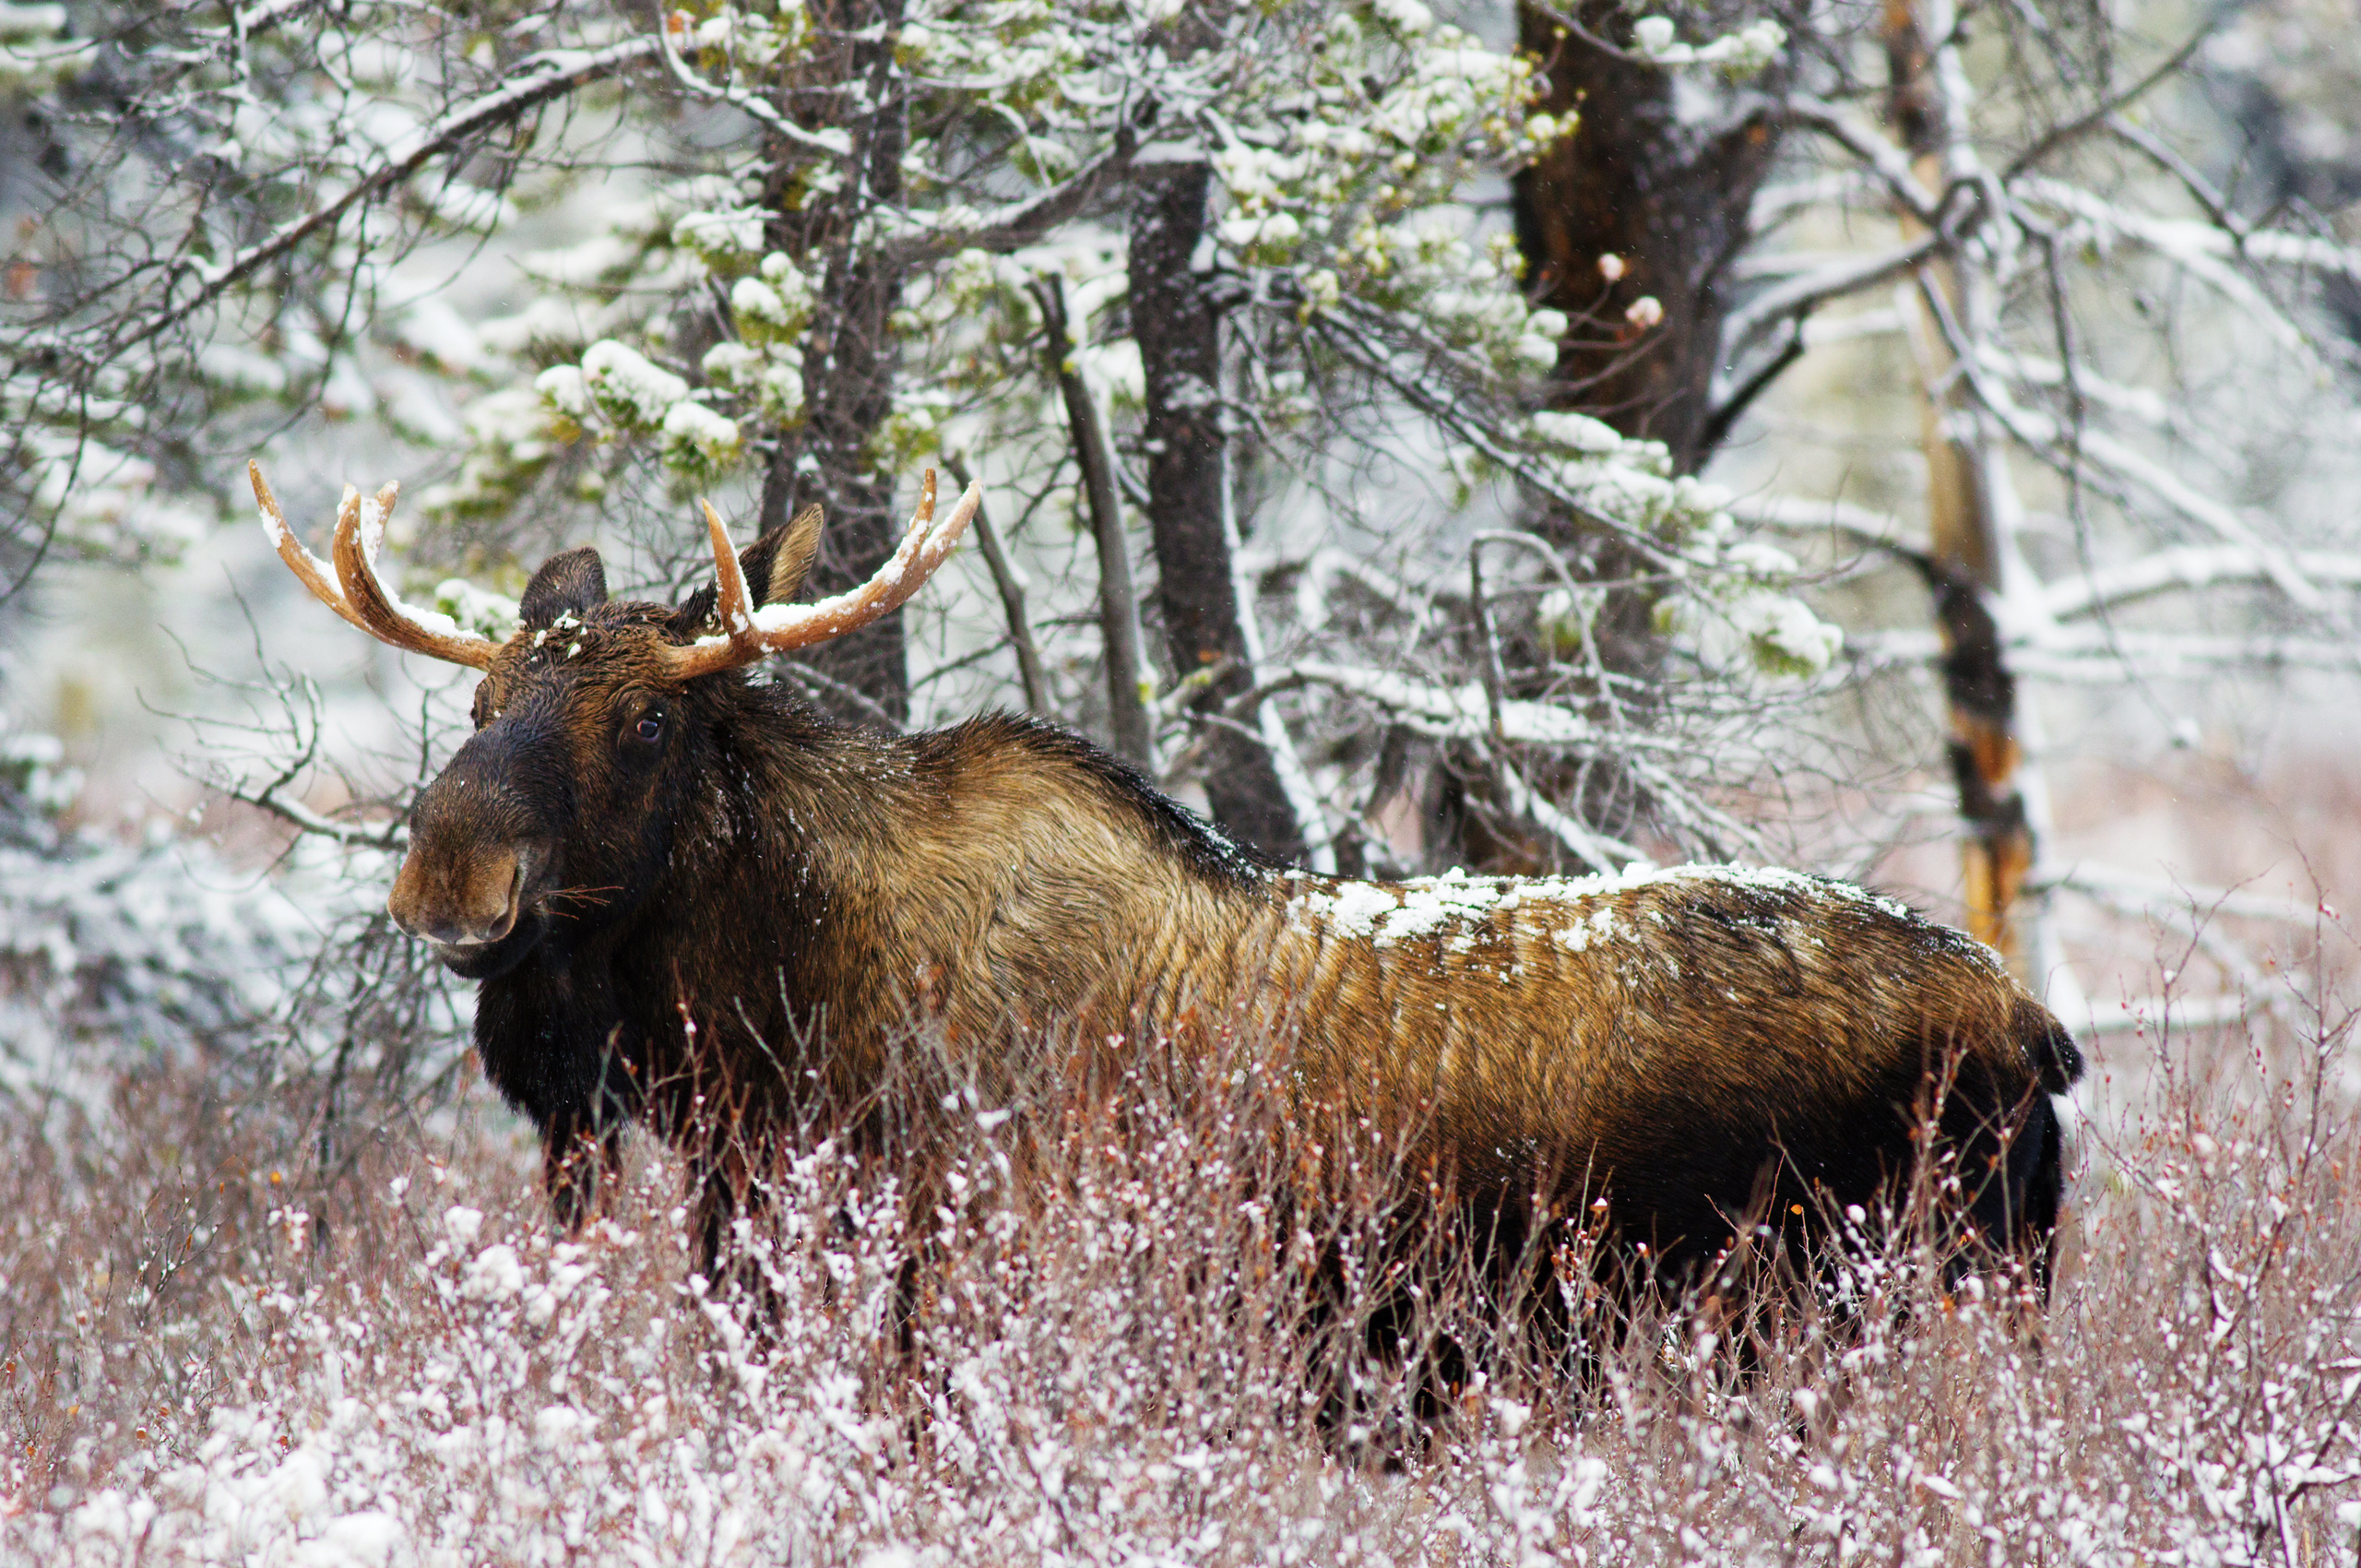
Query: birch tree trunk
[(1972, 506)]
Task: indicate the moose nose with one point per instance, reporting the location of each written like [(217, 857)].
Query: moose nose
[(466, 900)]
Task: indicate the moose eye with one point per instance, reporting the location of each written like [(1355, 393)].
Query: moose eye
[(650, 729)]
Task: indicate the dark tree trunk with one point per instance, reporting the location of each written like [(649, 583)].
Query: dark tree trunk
[(850, 359), (1178, 326), (1665, 192), (1665, 197)]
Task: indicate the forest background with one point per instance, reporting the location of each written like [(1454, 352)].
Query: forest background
[(1906, 441)]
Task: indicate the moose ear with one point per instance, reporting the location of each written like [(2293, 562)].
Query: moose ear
[(777, 563), (573, 581)]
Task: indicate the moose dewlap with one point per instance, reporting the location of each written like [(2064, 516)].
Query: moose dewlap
[(682, 890)]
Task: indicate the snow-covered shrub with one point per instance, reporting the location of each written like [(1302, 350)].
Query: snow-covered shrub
[(1104, 1355)]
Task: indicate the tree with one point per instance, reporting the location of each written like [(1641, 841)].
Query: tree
[(833, 276), (792, 253)]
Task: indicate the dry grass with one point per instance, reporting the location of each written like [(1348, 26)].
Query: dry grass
[(1121, 1352)]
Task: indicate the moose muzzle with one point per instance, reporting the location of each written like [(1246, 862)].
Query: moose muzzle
[(480, 858), (461, 901)]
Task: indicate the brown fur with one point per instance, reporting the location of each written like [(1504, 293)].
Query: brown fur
[(727, 927)]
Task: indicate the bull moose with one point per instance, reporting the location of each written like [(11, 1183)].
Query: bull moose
[(680, 887)]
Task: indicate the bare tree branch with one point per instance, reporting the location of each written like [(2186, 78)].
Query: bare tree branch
[(1011, 598), (538, 80)]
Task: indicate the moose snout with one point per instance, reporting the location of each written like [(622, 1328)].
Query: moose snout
[(464, 900)]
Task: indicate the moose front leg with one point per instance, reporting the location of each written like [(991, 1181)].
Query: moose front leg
[(551, 1043), (728, 1206), (582, 1166)]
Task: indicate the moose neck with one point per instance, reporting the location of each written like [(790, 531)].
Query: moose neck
[(1014, 874)]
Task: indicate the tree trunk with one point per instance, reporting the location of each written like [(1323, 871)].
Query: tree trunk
[(1970, 501), (1119, 616), (1665, 196), (1178, 327), (850, 359), (1645, 201)]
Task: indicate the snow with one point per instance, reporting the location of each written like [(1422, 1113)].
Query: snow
[(110, 952), (372, 523), (755, 299), (1388, 913), (729, 239), (494, 1275), (729, 364), (1739, 54), (490, 616), (693, 433), (628, 387), (566, 389)]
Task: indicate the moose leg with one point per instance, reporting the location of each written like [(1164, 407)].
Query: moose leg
[(727, 1207), (581, 1169), (549, 1044)]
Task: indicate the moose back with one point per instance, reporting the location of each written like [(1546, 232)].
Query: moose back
[(690, 898)]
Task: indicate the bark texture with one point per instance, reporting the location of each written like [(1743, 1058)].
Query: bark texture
[(849, 360), (1177, 324), (1664, 194), (1964, 501)]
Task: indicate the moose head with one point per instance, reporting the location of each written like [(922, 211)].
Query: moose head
[(591, 720)]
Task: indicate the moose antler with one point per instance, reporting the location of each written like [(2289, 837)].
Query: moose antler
[(748, 633), (361, 599)]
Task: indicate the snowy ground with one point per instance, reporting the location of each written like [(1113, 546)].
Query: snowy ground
[(213, 1357)]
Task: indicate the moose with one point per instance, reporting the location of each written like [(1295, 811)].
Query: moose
[(680, 888)]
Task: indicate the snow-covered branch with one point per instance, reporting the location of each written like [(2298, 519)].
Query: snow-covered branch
[(2099, 654), (2193, 569), (1803, 517), (832, 142), (1018, 223), (270, 797), (1806, 292), (1889, 162), (537, 80), (1367, 351)]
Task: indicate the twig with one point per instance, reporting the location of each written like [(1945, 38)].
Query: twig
[(538, 79), (1799, 295), (1012, 598), (1020, 223), (834, 143), (1449, 414), (2117, 103), (385, 835), (1119, 618), (1726, 413), (1494, 676), (1889, 163), (1591, 41), (820, 682)]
